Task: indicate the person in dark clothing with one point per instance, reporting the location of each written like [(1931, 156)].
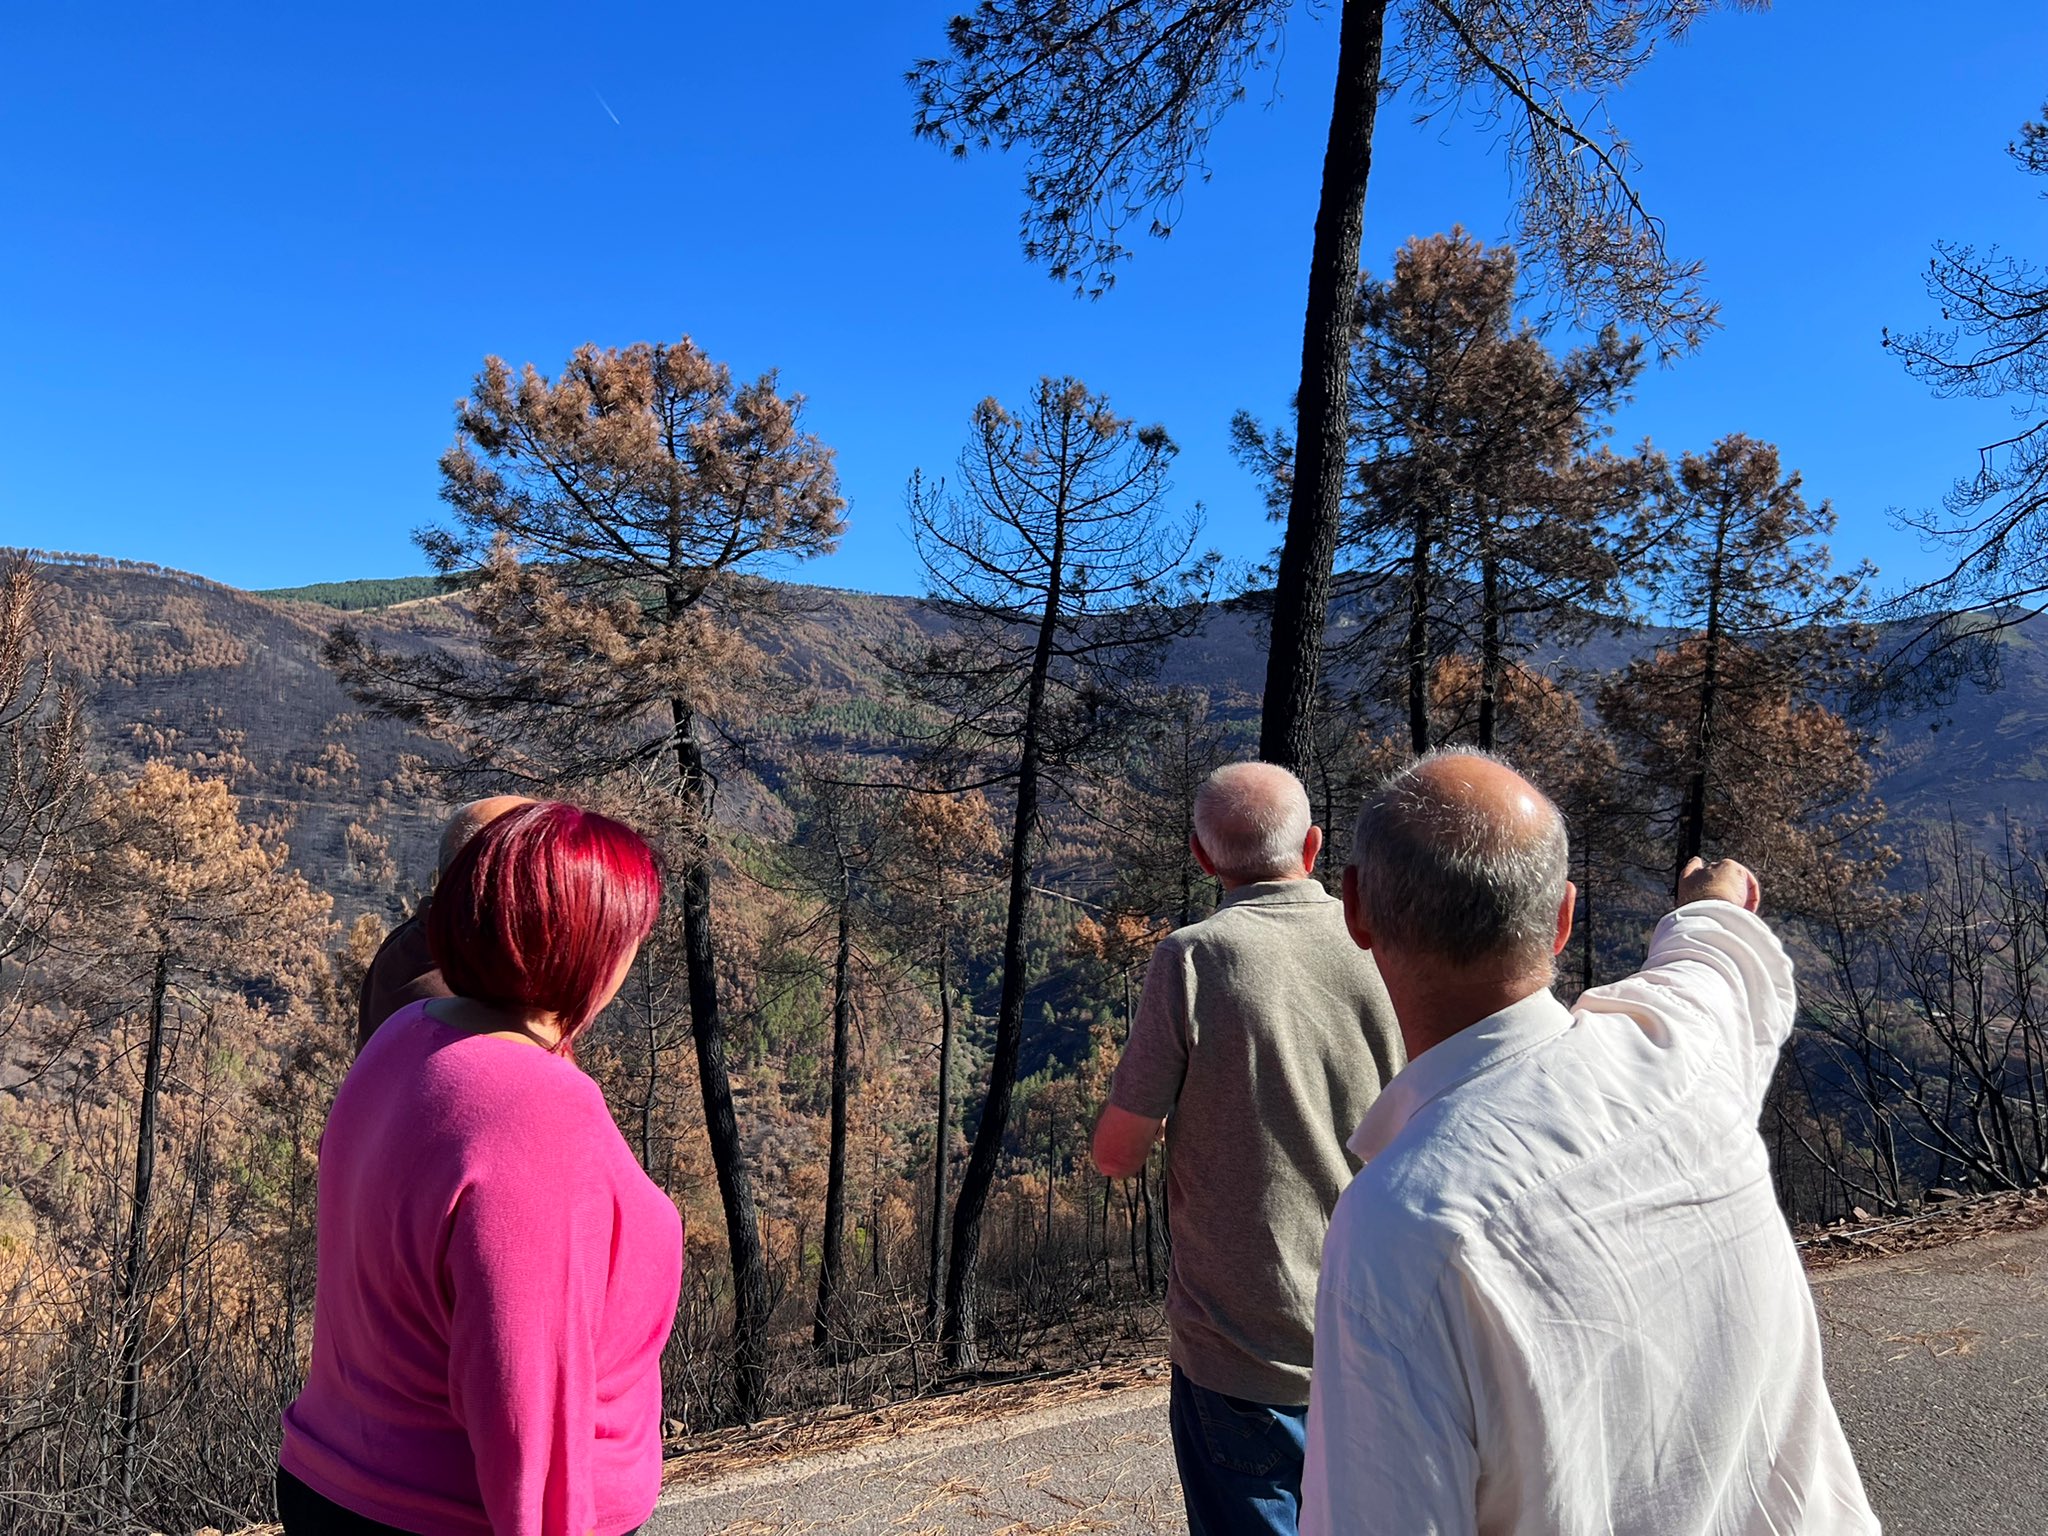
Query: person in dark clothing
[(403, 970)]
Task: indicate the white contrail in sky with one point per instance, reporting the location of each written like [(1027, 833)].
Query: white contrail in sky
[(608, 112)]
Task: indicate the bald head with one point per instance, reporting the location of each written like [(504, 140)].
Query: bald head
[(1460, 858), (1253, 822), (471, 819)]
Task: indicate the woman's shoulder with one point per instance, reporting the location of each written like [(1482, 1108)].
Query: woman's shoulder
[(479, 1083)]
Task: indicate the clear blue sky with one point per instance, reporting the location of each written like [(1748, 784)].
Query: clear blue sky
[(253, 255)]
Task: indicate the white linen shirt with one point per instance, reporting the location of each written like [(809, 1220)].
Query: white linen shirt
[(1561, 1298)]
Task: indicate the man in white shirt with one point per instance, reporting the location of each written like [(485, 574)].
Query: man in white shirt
[(1560, 1298)]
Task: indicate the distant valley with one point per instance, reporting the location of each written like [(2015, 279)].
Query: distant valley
[(231, 682)]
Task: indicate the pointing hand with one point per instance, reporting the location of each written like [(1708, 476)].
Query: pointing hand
[(1722, 880)]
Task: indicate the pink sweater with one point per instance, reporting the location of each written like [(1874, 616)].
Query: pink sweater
[(497, 1278)]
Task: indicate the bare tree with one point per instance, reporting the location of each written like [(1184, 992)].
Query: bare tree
[(1992, 344), (1116, 102), (1149, 812), (1926, 1039), (843, 831), (614, 512), (1062, 575), (949, 854), (179, 903)]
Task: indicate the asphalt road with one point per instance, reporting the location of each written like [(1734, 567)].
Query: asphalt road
[(1938, 1361)]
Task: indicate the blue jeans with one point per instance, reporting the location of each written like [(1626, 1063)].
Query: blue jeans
[(1240, 1462)]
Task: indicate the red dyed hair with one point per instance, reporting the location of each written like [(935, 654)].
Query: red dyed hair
[(541, 907)]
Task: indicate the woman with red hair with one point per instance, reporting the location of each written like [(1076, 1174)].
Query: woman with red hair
[(497, 1276)]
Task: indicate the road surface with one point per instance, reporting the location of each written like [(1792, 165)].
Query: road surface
[(1938, 1361)]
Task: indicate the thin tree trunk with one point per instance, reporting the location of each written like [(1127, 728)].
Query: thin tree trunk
[(134, 1261), (295, 1267), (1418, 635), (721, 1124), (1145, 1202), (1489, 651), (875, 1218), (1052, 1159), (1131, 1225), (1585, 908), (975, 1183), (1165, 1214), (1692, 829), (1108, 1194), (835, 1167), (1308, 553), (979, 1178), (653, 1068), (941, 1143)]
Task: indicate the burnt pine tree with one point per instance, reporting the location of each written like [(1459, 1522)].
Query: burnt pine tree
[(843, 830), (1992, 344), (1116, 103), (178, 909), (1483, 516), (1767, 629), (614, 512), (1149, 811), (949, 851), (1062, 574)]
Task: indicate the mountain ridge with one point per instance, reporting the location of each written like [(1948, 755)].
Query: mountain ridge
[(231, 682)]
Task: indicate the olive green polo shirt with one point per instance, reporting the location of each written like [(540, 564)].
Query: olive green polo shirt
[(1263, 1036)]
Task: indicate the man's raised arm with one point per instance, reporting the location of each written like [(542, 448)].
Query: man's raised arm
[(1715, 960)]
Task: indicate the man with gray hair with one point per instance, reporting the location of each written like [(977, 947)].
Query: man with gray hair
[(1263, 1034), (1560, 1296)]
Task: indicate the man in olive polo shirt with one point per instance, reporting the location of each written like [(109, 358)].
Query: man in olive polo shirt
[(1263, 1036)]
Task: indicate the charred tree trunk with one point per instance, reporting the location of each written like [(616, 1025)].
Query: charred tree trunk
[(1308, 553), (1490, 666), (1052, 1162), (941, 1145), (961, 1275), (134, 1264), (1108, 1195), (1418, 635), (1585, 910), (1692, 826), (721, 1124), (1145, 1202), (653, 1085), (1131, 1224), (835, 1168), (875, 1220)]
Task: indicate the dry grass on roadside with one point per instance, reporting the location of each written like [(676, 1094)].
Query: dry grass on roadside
[(1846, 1242)]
